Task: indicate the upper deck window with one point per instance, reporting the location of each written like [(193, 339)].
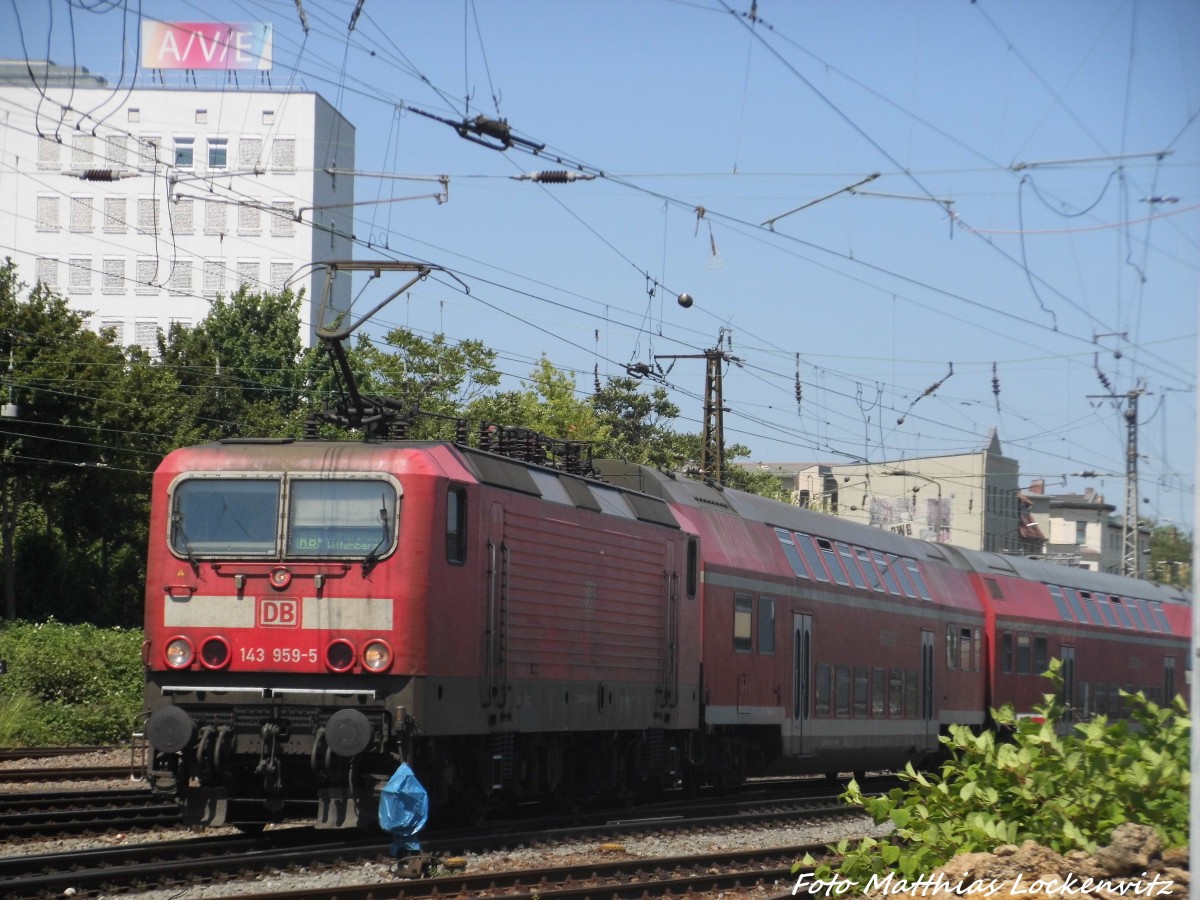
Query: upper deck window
[(918, 579), (340, 517), (804, 542), (790, 551), (225, 517)]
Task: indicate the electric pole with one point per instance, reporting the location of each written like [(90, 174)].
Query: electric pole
[(712, 449), (1130, 556)]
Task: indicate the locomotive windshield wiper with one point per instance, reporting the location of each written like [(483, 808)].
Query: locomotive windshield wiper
[(372, 558), (177, 526)]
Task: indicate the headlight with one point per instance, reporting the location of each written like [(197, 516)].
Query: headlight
[(179, 653), (339, 655), (214, 652), (376, 656)]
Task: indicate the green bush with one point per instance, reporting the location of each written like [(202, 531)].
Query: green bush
[(1066, 792), (68, 684)]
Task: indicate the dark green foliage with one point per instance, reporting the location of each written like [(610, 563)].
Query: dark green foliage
[(68, 684), (1064, 791)]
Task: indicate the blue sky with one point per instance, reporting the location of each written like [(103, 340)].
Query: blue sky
[(1031, 242)]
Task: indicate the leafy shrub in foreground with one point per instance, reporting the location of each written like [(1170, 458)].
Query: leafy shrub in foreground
[(68, 684), (1065, 792)]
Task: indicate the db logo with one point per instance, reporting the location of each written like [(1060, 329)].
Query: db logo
[(278, 612)]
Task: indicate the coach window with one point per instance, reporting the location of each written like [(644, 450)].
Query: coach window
[(1089, 606), (841, 692), (951, 649), (790, 551), (910, 693), (1156, 610), (888, 577), (862, 691), (964, 648), (896, 693), (868, 568), (804, 542), (1101, 696), (856, 574), (1006, 653), (1135, 614), (879, 692), (1106, 610), (225, 516), (1119, 608), (831, 559), (915, 571), (1060, 602), (456, 525), (743, 607), (340, 517), (1169, 678), (978, 661), (1076, 607), (1024, 655), (766, 625), (1041, 655), (823, 685), (902, 576)]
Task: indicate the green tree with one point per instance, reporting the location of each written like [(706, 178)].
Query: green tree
[(242, 371), (550, 405), (1171, 556), (637, 423)]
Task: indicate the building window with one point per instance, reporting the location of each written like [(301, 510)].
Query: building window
[(113, 280), (47, 272), (116, 150), (148, 146), (80, 275), (214, 277), (1081, 532), (218, 153), (47, 213), (116, 327), (180, 281), (147, 215), (83, 154), (247, 274), (115, 214), (49, 153), (185, 150), (81, 214), (146, 271), (201, 116), (249, 221), (250, 152), (133, 114), (283, 154), (183, 213), (282, 221), (280, 272), (145, 335), (268, 117), (215, 217)]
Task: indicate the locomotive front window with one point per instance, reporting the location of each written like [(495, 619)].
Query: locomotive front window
[(227, 517), (341, 518)]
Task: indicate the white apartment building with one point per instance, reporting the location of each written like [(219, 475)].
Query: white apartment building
[(141, 206)]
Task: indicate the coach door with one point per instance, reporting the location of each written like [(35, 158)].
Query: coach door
[(928, 717), (668, 694), (495, 634), (1068, 688), (801, 679)]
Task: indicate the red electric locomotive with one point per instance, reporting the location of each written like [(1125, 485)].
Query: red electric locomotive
[(317, 611)]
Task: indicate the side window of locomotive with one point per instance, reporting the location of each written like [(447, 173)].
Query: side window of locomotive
[(693, 566), (225, 517), (743, 608), (339, 517), (456, 525)]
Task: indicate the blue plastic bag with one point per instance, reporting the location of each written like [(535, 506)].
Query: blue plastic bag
[(403, 809)]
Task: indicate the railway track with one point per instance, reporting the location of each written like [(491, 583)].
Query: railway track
[(73, 812), (205, 860)]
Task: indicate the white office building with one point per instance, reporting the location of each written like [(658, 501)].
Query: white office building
[(141, 206)]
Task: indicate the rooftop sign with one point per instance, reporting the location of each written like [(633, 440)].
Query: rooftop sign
[(206, 45)]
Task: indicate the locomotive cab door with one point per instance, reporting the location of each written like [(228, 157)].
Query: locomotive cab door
[(801, 680)]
